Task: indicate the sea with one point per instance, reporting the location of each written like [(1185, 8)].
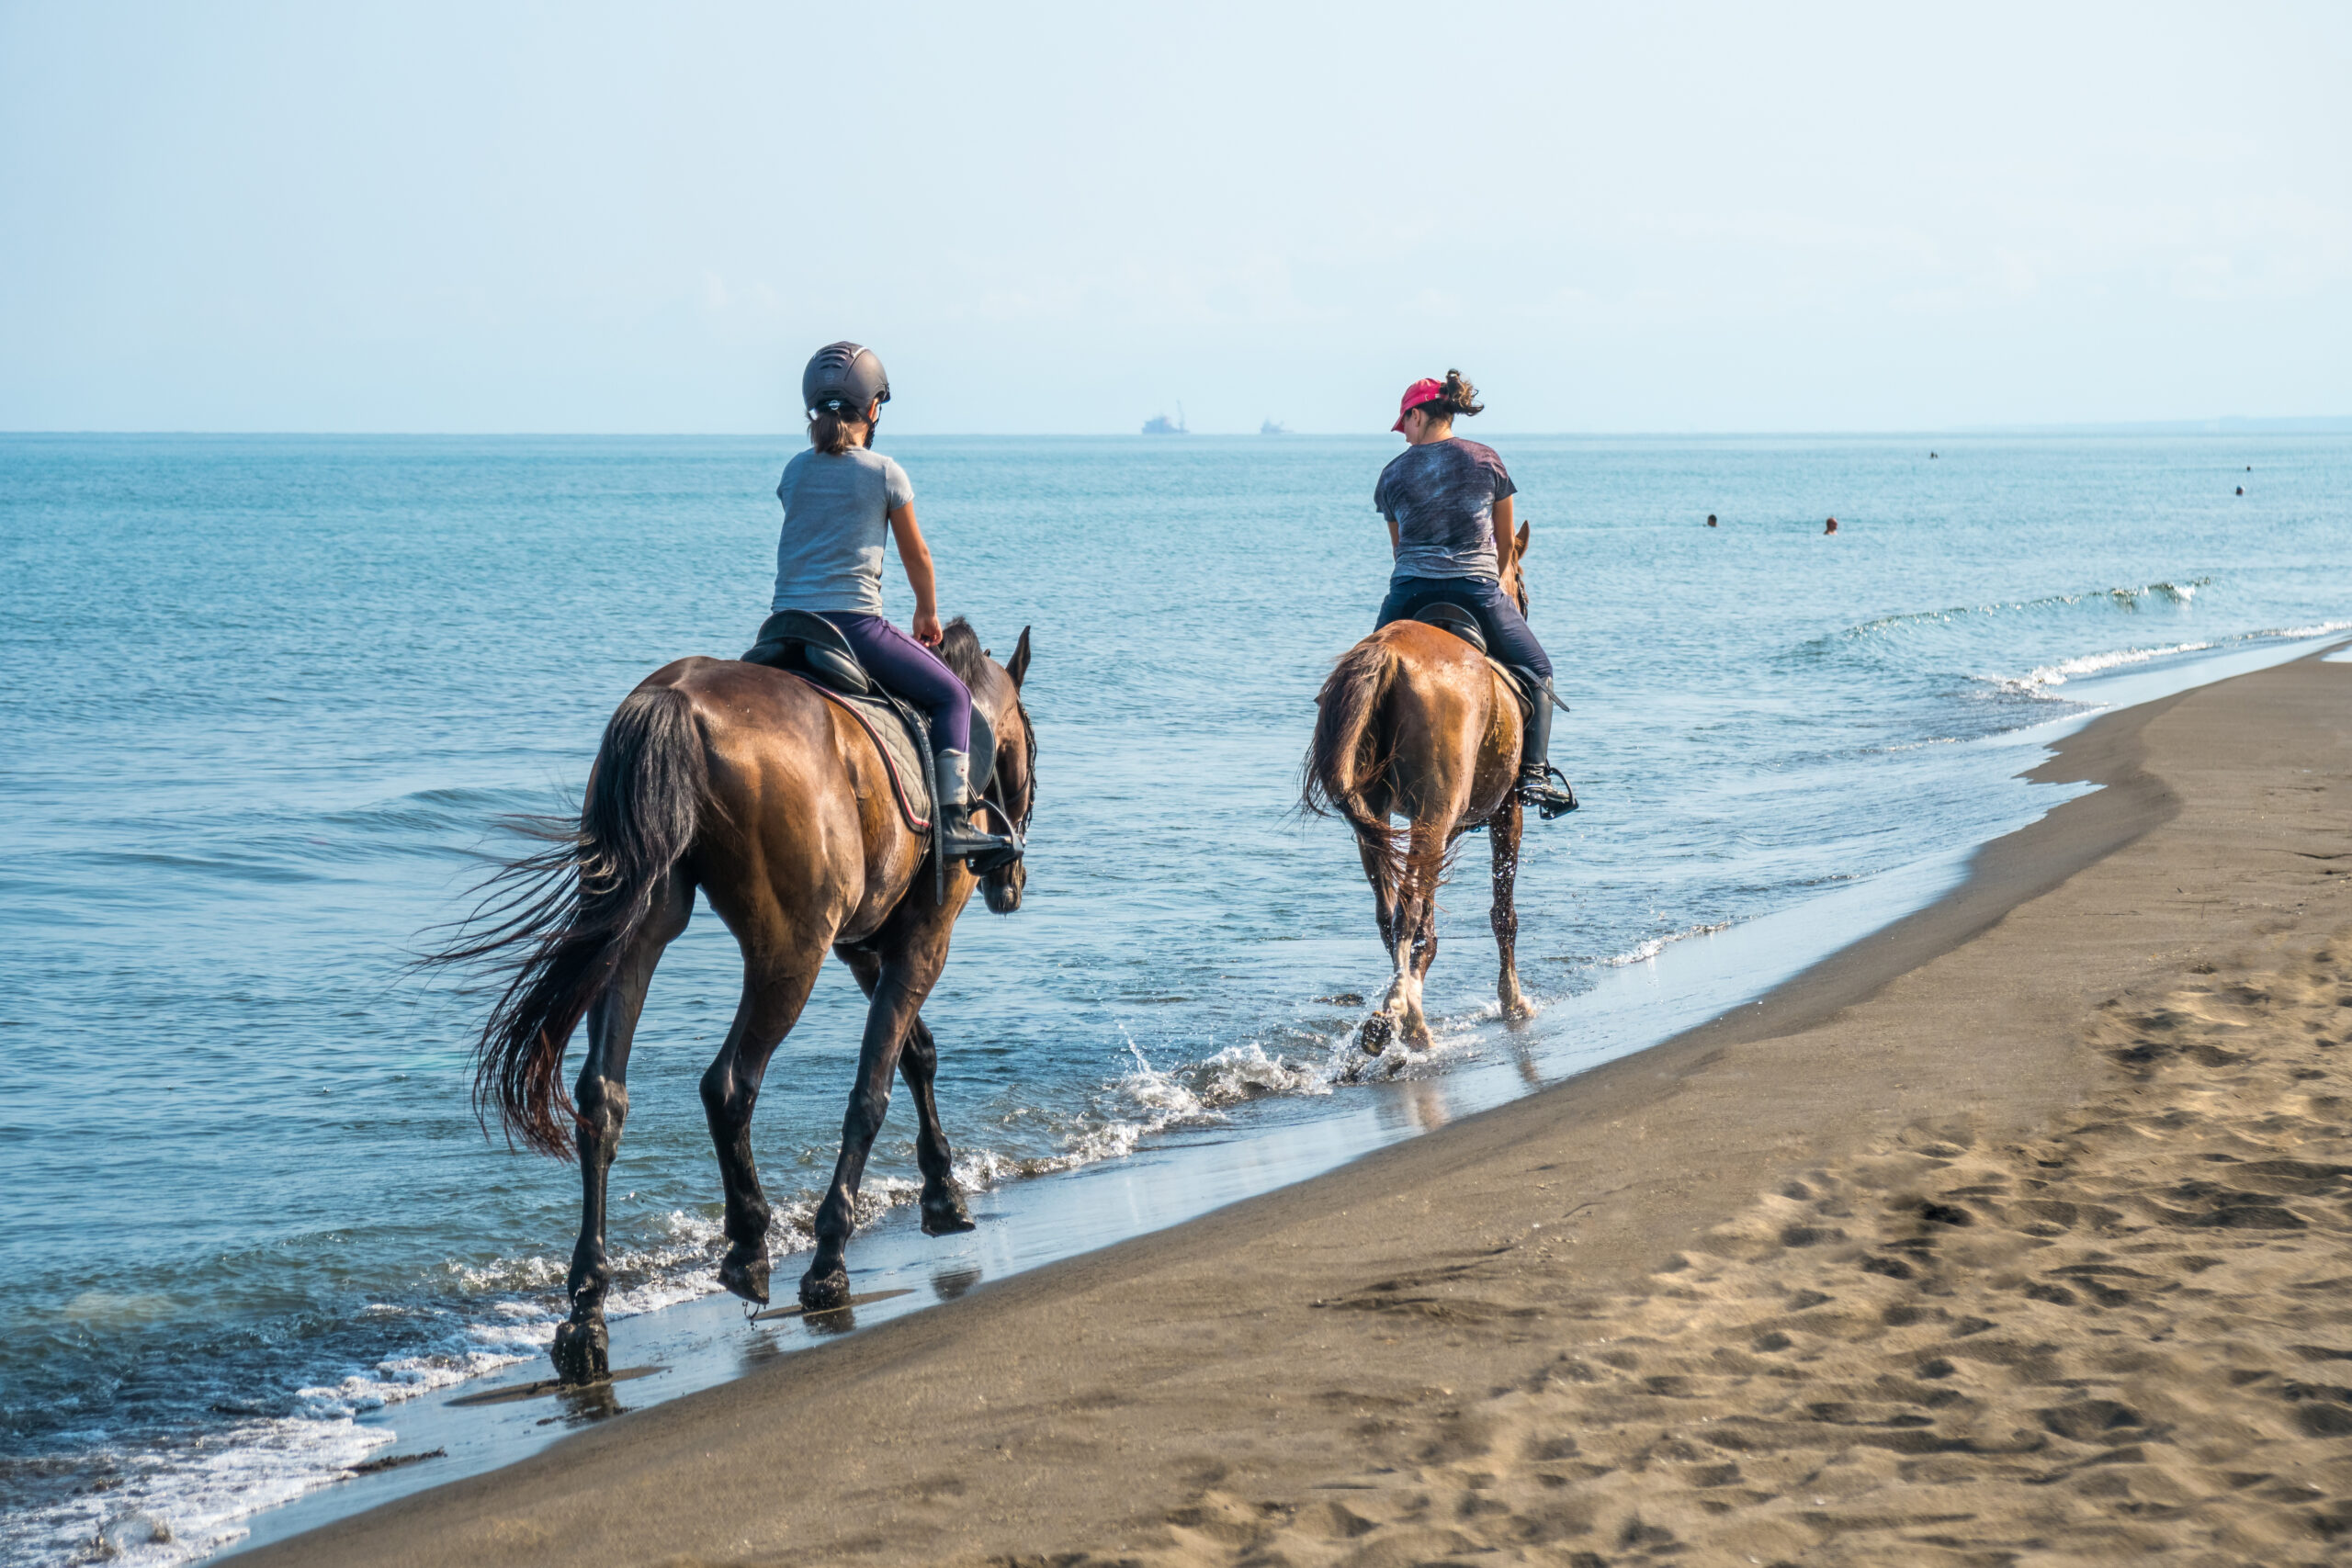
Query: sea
[(266, 701)]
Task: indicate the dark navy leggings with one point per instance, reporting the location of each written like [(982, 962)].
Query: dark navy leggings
[(912, 670), (1507, 638)]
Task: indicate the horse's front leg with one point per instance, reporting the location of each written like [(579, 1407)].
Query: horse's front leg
[(777, 982), (904, 979), (943, 1202), (581, 1350), (944, 1213), (1504, 828)]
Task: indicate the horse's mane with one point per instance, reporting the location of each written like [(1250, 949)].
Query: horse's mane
[(959, 650)]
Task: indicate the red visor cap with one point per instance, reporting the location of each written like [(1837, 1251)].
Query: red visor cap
[(1421, 391)]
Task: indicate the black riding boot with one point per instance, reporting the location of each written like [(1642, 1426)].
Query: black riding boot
[(960, 840), (1536, 773)]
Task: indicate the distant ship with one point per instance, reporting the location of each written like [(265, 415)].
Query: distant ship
[(1273, 427), (1161, 424)]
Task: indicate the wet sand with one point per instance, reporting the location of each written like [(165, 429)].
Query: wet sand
[(2016, 1233)]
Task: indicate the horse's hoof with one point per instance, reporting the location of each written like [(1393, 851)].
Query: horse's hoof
[(745, 1273), (944, 1213), (822, 1293), (583, 1352), (1377, 1030)]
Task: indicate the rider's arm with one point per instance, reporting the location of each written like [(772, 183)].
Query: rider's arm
[(1502, 532), (915, 556), (1392, 538)]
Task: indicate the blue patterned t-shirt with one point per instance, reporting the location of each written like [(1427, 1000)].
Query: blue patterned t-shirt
[(1442, 497)]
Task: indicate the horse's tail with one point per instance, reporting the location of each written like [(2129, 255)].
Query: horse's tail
[(1345, 755), (557, 924)]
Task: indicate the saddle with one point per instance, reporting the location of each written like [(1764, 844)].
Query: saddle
[(1453, 618), (802, 643)]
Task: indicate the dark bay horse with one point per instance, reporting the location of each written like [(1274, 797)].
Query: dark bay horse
[(747, 784), (1414, 722)]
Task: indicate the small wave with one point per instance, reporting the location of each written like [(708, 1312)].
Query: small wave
[(2036, 682), (404, 1378), (2293, 632), (156, 1509), (158, 1512), (1658, 944), (1148, 1100), (2130, 598)]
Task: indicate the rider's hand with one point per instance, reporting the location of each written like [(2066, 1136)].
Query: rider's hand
[(927, 630)]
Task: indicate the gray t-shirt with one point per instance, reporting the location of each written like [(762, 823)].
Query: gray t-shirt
[(1442, 497), (837, 511)]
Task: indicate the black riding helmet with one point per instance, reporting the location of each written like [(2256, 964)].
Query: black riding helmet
[(843, 377)]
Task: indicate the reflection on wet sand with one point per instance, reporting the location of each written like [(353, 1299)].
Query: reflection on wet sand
[(1523, 1056), (830, 1324), (1425, 1103), (954, 1279), (760, 1350), (581, 1405)]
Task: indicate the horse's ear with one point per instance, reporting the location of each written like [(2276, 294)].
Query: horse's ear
[(1519, 551), (1018, 665)]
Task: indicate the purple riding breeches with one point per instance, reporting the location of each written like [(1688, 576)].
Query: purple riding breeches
[(916, 673)]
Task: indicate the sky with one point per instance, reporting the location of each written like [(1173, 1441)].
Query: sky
[(1626, 218)]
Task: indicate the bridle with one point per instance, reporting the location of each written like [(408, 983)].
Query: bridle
[(989, 797)]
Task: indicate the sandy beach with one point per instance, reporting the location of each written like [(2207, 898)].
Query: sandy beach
[(2017, 1233)]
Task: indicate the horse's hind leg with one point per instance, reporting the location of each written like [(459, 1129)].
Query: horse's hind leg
[(777, 982), (1415, 945), (1384, 896), (1504, 828), (1380, 1027), (943, 1204), (601, 1096)]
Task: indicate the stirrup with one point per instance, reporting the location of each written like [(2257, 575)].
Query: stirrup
[(1550, 800), (980, 851), (981, 863)]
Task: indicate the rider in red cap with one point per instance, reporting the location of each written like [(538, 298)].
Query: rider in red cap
[(1447, 502)]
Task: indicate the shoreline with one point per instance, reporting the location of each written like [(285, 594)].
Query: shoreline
[(1008, 1405)]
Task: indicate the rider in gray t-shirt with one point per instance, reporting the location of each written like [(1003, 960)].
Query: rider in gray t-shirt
[(842, 501), (837, 509)]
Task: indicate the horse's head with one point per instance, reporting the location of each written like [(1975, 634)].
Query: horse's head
[(1514, 582), (1013, 792)]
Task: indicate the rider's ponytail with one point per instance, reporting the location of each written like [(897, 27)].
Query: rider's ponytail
[(834, 428), (1459, 397)]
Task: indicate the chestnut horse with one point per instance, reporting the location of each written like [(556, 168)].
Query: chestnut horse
[(1414, 722), (748, 785)]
